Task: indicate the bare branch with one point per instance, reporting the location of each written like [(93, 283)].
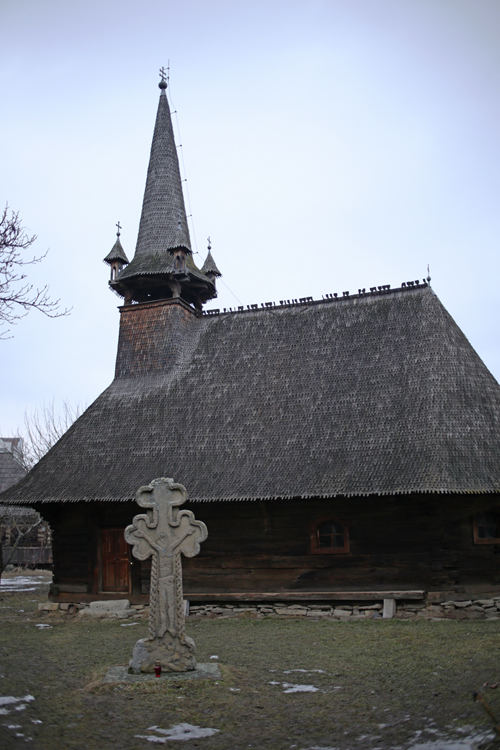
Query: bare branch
[(9, 519), (43, 427), (18, 296)]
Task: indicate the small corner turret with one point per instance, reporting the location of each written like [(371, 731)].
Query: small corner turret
[(163, 265), (116, 258), (209, 267)]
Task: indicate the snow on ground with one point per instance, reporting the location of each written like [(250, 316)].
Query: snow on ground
[(468, 739), (306, 671), (289, 688), (9, 703), (177, 732), (23, 583), (9, 700)]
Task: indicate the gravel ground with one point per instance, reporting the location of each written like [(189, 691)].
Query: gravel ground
[(286, 683)]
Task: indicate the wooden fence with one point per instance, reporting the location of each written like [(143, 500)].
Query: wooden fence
[(28, 557)]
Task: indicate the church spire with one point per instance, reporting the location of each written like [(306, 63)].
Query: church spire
[(163, 225), (163, 266)]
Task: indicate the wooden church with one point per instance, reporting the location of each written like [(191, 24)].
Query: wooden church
[(336, 445)]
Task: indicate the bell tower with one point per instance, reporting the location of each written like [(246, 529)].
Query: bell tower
[(162, 267)]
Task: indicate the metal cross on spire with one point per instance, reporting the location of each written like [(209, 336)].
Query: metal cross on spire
[(118, 230), (165, 74), (209, 244)]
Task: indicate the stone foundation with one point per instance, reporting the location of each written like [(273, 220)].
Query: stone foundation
[(470, 609)]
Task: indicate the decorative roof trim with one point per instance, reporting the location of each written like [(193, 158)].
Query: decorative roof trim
[(306, 301), (270, 498)]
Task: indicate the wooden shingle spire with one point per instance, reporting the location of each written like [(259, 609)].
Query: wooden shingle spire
[(163, 266)]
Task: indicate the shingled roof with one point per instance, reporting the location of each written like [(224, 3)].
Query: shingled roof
[(367, 395), (210, 265), (163, 264), (163, 226), (11, 468), (116, 253)]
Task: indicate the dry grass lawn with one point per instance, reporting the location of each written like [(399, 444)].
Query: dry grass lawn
[(374, 684)]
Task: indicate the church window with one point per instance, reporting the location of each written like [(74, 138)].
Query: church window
[(486, 528), (329, 536)]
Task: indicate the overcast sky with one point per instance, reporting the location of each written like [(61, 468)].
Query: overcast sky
[(328, 145)]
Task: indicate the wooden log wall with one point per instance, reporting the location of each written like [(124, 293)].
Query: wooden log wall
[(406, 542)]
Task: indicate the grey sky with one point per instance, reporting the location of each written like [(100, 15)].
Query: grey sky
[(328, 146)]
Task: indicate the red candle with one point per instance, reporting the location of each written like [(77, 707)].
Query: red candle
[(158, 669)]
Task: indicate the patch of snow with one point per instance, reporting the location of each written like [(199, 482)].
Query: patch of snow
[(446, 743), (177, 732), (42, 625), (214, 657), (36, 721), (9, 700), (273, 682), (307, 671), (13, 726), (235, 690), (5, 700), (299, 688), (128, 624), (23, 583)]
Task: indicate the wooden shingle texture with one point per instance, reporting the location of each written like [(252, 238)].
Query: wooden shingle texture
[(368, 395)]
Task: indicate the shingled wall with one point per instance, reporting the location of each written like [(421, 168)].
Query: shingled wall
[(153, 337)]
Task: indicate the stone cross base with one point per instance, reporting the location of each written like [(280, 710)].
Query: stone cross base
[(173, 655)]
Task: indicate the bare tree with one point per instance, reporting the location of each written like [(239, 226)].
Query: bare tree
[(43, 427), (15, 526), (17, 295)]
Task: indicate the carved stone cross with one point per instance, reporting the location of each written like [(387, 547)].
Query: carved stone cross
[(162, 533)]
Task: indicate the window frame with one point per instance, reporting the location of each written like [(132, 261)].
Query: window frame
[(313, 529), (486, 540)]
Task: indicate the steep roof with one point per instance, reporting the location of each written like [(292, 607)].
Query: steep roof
[(371, 394), (163, 226), (116, 253), (210, 265)]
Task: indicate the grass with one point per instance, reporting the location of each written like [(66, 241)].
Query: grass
[(383, 682)]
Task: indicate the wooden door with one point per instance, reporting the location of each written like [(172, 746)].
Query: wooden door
[(115, 561)]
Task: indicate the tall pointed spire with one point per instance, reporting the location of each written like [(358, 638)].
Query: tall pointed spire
[(163, 266), (163, 225)]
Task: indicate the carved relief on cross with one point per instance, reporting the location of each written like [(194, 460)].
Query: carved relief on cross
[(163, 532)]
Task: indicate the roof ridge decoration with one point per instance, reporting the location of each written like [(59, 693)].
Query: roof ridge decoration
[(376, 291)]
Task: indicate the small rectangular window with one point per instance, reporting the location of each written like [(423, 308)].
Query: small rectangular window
[(486, 528), (329, 536)]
